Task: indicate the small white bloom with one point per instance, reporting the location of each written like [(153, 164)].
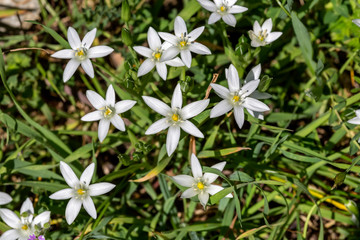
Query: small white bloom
[(200, 184), (107, 111), (176, 117), (24, 226), (357, 22), (5, 198), (355, 120), (81, 53), (183, 43), (155, 55), (222, 9), (80, 192), (238, 97), (262, 36)]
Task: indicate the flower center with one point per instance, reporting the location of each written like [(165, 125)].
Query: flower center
[(236, 98), (81, 53), (200, 185), (158, 56), (81, 191), (108, 112), (184, 41), (263, 35), (222, 8), (24, 227), (175, 117)]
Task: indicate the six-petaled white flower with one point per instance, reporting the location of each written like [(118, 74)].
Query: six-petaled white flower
[(238, 97), (5, 198), (200, 184), (262, 35), (222, 9), (24, 226), (183, 42), (81, 53), (80, 191), (107, 111), (155, 55), (176, 117)]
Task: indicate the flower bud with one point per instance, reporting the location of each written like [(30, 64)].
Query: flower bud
[(126, 36), (125, 11), (352, 207)]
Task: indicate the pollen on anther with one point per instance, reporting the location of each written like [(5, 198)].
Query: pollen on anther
[(236, 98), (175, 117)]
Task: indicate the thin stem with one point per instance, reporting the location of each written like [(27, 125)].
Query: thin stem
[(283, 8)]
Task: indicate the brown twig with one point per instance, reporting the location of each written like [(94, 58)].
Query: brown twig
[(215, 77)]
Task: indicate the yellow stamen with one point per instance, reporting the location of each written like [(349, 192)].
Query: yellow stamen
[(200, 185), (222, 8), (24, 227), (157, 56), (107, 112), (80, 191), (236, 98), (80, 53), (182, 43), (175, 117)]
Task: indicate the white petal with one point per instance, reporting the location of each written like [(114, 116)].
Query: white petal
[(256, 114), (239, 116), (199, 48), (90, 207), (144, 51), (195, 108), (256, 27), (267, 25), (255, 105), (229, 19), (180, 26), (273, 36), (63, 194), (189, 193), (218, 3), (186, 57), (204, 198), (230, 3), (260, 95), (191, 129), (11, 234), (195, 167), (214, 17), (169, 53), (211, 177), (184, 180), (64, 54), (145, 67), (255, 43), (92, 116), (70, 69), (27, 206), (237, 9), (110, 96), (169, 37), (99, 51), (73, 38), (172, 139), (88, 67), (208, 5), (153, 39), (213, 189), (354, 120), (176, 62), (356, 21), (161, 69), (68, 174), (233, 79), (221, 108), (194, 34), (249, 88), (88, 39), (176, 100), (124, 106), (158, 126), (95, 99), (157, 105), (10, 218), (72, 210), (87, 175), (254, 73), (100, 188), (42, 218), (5, 198), (221, 91), (357, 112), (117, 121), (103, 129)]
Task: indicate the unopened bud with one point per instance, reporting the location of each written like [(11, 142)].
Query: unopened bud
[(125, 11), (126, 36)]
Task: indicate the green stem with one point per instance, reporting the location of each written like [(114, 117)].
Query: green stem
[(283, 8)]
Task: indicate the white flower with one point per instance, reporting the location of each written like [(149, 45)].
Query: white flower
[(176, 117), (81, 53), (80, 192), (355, 120), (5, 198), (357, 22), (200, 184), (107, 111), (222, 9), (24, 226), (238, 98), (183, 43), (262, 36), (155, 55)]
